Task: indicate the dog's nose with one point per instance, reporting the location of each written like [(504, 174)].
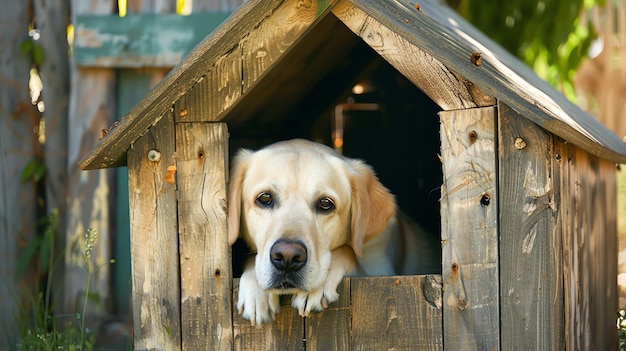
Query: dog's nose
[(287, 255)]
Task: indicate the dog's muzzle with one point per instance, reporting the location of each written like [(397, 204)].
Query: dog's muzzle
[(288, 257)]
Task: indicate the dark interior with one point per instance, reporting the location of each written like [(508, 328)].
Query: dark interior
[(391, 124)]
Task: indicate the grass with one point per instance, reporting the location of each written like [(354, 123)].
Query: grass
[(39, 327)]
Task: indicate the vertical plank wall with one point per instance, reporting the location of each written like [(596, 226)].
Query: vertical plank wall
[(588, 225), (530, 244), (154, 239), (471, 318)]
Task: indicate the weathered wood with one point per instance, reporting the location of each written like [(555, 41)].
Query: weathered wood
[(372, 313), (17, 199), (328, 330), (206, 278), (530, 246), (589, 236), (92, 108), (214, 93), (469, 230), (140, 39), (426, 72), (286, 333), (53, 19), (154, 239), (391, 313)]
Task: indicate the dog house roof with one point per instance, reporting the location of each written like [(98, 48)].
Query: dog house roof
[(432, 27)]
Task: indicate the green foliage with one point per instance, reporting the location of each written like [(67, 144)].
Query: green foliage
[(32, 49), (33, 171), (40, 328), (546, 34)]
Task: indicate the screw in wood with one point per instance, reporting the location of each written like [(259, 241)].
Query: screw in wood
[(154, 156), (520, 143)]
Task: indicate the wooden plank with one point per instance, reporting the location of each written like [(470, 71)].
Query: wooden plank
[(328, 330), (154, 240), (530, 246), (206, 278), (391, 313), (266, 44), (17, 140), (372, 313), (285, 333), (469, 230), (422, 69), (214, 93), (140, 39), (588, 227), (252, 14), (92, 97)]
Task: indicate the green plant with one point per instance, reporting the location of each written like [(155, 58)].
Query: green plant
[(40, 328), (621, 327)]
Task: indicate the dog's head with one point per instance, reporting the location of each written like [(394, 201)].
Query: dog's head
[(294, 202)]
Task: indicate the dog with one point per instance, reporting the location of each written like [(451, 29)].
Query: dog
[(312, 217)]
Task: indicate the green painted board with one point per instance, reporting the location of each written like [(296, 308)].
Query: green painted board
[(140, 40)]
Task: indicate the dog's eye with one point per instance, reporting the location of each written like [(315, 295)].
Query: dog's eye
[(325, 205), (265, 200)]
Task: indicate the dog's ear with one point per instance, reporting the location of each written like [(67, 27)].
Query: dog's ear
[(235, 184), (372, 205)]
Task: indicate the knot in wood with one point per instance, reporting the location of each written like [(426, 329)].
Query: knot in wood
[(477, 58), (485, 200), (472, 136)]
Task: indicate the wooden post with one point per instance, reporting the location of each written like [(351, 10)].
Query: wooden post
[(154, 239), (469, 230), (206, 278)]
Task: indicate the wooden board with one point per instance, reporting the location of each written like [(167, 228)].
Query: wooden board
[(154, 240), (140, 39), (373, 313), (469, 230), (530, 246), (205, 278), (92, 98), (589, 236)]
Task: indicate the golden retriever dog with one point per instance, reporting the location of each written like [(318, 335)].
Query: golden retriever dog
[(312, 217)]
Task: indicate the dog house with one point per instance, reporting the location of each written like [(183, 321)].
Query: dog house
[(518, 182)]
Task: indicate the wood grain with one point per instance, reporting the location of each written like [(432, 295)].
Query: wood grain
[(588, 227), (154, 241), (206, 278), (390, 313), (469, 230), (530, 246)]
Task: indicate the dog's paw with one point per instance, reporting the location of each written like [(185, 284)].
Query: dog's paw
[(255, 304), (314, 301)]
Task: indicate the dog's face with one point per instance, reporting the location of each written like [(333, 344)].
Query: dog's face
[(294, 202)]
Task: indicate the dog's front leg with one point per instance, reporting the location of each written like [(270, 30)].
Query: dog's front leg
[(343, 262), (255, 304)]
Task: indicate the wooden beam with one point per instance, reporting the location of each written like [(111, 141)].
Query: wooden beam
[(469, 230), (140, 40)]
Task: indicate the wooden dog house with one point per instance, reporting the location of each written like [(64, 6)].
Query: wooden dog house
[(527, 205)]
